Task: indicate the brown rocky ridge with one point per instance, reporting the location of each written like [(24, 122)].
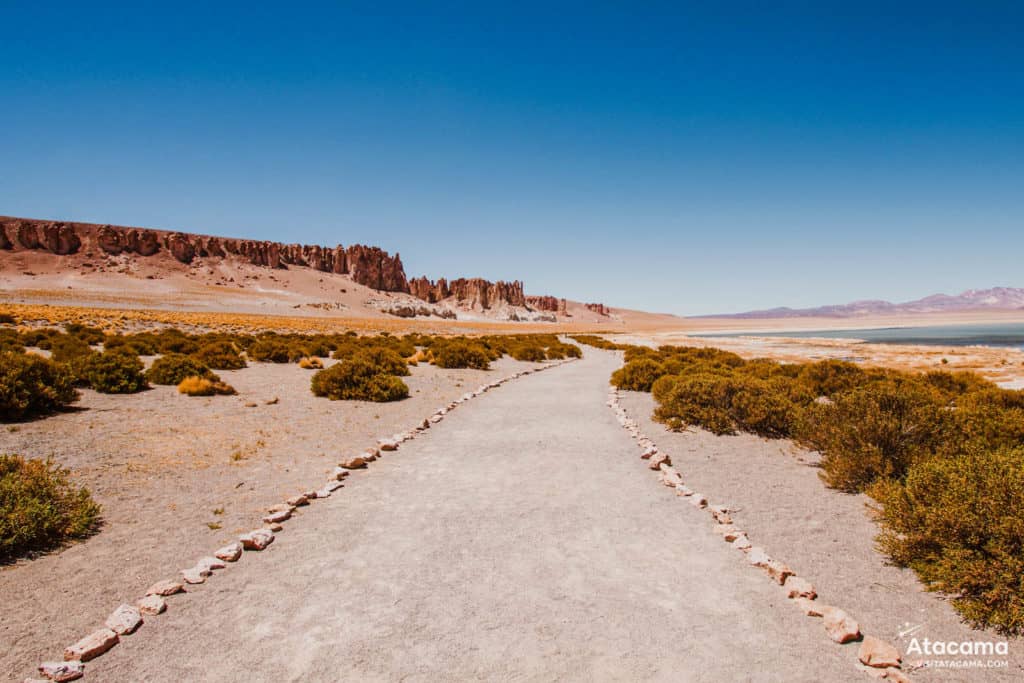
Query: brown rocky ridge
[(369, 266)]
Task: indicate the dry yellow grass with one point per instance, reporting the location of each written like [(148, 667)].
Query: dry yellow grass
[(113, 319)]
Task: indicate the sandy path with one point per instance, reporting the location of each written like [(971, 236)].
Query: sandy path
[(518, 540), (161, 464), (824, 535)]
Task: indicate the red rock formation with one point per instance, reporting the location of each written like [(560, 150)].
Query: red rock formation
[(373, 267), (181, 247), (476, 292), (60, 239), (369, 266), (600, 309), (431, 292), (542, 303)]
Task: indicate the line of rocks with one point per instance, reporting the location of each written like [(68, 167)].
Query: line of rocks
[(878, 658), (126, 619)]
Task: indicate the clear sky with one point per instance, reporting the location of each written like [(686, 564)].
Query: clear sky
[(716, 158)]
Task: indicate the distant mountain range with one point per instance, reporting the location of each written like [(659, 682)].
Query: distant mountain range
[(1007, 298)]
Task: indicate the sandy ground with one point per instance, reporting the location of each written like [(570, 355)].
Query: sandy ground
[(822, 534), (164, 466), (518, 540)]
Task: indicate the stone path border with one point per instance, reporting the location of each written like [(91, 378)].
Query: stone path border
[(878, 658), (126, 619)]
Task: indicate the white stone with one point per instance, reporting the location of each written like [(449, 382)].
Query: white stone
[(840, 626), (798, 587), (353, 463), (210, 563), (62, 671), (277, 517), (151, 604), (257, 539), (229, 553), (124, 620), (92, 646), (165, 587), (195, 574)]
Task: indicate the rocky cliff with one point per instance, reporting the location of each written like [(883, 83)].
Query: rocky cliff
[(474, 292), (547, 303), (369, 266)]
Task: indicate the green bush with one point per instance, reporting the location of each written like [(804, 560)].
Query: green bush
[(959, 523), (174, 367), (460, 354), (115, 372), (32, 385), (596, 342), (385, 360), (699, 399), (874, 431), (38, 337), (10, 340), (171, 340), (220, 355), (90, 335), (530, 353), (40, 508), (768, 408), (142, 345), (638, 375), (357, 380), (829, 377), (271, 351), (65, 348)]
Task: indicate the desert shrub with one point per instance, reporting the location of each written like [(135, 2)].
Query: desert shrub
[(90, 335), (637, 352), (529, 352), (570, 350), (205, 386), (66, 348), (8, 319), (829, 377), (983, 426), (32, 385), (874, 431), (114, 372), (10, 340), (220, 355), (955, 384), (271, 350), (767, 408), (357, 380), (385, 360), (139, 344), (638, 375), (958, 522), (698, 399), (310, 363), (174, 367), (993, 397), (460, 354), (39, 337), (39, 507), (172, 340), (596, 342)]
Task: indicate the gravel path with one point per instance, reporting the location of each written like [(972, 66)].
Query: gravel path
[(520, 539)]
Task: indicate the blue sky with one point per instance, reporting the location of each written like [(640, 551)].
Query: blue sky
[(648, 155)]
